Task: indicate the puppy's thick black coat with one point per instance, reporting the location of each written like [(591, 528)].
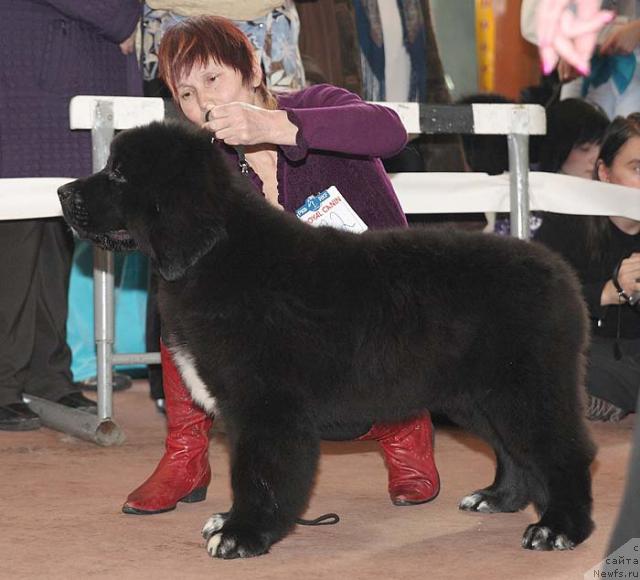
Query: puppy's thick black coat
[(295, 334)]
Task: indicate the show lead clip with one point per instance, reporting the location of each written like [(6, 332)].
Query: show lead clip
[(242, 160)]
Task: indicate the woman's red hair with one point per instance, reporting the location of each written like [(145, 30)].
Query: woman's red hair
[(196, 41)]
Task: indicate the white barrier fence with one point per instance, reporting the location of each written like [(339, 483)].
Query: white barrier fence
[(419, 193)]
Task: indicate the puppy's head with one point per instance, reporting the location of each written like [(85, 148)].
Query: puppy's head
[(161, 192)]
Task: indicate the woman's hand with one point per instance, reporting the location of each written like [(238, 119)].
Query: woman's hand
[(628, 278), (623, 40), (245, 124)]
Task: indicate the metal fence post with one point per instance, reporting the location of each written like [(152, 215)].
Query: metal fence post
[(518, 146), (103, 267)]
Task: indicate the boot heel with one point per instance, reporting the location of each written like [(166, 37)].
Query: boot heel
[(198, 494)]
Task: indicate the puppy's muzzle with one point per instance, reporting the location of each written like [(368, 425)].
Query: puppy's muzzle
[(72, 206), (66, 191)]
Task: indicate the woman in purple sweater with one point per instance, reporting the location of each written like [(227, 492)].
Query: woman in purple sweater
[(290, 146)]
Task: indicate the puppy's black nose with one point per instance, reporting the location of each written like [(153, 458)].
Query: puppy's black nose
[(66, 191)]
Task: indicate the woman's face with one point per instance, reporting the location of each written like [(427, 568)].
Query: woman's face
[(207, 86), (581, 160), (625, 169)]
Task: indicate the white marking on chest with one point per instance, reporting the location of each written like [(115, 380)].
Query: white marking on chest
[(193, 382)]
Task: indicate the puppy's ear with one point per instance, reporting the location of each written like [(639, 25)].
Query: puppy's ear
[(179, 242)]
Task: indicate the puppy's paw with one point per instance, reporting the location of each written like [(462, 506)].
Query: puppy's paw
[(478, 502), (541, 538), (214, 524), (491, 502), (237, 543)]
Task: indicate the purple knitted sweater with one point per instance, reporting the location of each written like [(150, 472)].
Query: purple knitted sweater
[(50, 51), (340, 142)]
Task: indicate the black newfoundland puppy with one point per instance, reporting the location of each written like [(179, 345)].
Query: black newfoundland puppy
[(296, 334)]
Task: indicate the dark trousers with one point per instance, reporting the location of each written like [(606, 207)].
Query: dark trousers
[(616, 381), (35, 264)]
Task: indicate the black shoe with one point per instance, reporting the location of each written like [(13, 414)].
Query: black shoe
[(77, 400), (602, 410), (119, 383), (18, 417)]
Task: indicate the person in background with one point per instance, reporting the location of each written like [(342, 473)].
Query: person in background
[(288, 146), (605, 252), (575, 129), (51, 51)]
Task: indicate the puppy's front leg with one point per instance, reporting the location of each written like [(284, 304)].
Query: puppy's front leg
[(273, 463)]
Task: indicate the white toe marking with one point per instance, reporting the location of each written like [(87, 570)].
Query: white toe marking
[(213, 524), (541, 536), (213, 543), (469, 501), (483, 506), (563, 543)]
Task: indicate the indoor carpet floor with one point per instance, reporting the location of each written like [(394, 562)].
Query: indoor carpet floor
[(61, 518)]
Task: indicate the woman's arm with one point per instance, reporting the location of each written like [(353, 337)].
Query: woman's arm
[(329, 118), (322, 117), (115, 19)]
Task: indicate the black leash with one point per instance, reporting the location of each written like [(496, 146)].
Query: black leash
[(324, 520)]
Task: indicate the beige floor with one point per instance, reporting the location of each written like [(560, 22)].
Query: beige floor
[(61, 502)]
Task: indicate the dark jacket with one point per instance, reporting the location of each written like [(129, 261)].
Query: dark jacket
[(51, 50)]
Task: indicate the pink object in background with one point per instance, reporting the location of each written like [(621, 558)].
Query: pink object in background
[(568, 29)]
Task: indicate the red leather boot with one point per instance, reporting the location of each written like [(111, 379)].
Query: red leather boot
[(183, 473), (408, 454)]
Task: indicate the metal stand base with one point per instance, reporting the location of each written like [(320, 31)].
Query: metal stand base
[(75, 422)]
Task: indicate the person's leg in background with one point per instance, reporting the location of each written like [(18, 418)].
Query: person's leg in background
[(49, 375), (20, 242), (612, 383)]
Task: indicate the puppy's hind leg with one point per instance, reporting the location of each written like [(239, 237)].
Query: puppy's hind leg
[(566, 514), (543, 454), (274, 456)]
